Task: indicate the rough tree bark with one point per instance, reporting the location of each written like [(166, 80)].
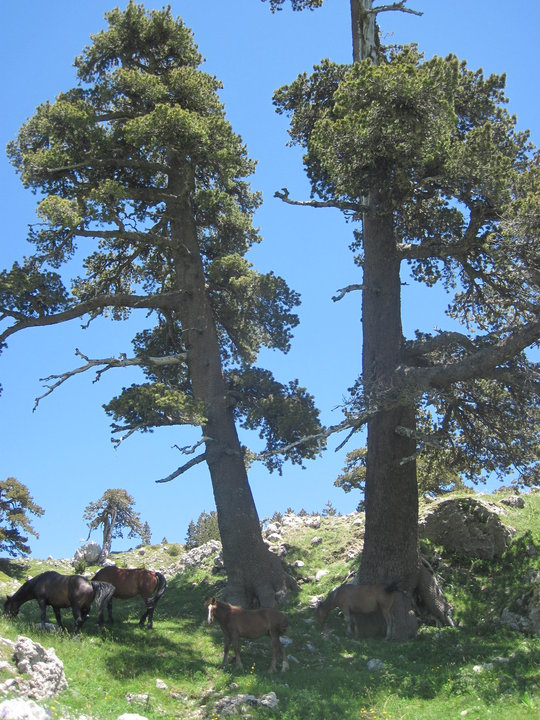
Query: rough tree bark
[(255, 575)]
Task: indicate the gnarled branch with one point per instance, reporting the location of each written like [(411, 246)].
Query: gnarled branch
[(107, 363)]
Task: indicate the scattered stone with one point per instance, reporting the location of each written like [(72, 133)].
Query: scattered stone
[(233, 704), (20, 709), (320, 574), (514, 501), (375, 664), (161, 685), (316, 540), (138, 698)]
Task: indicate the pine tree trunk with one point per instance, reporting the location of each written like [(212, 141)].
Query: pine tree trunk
[(108, 527), (391, 493), (391, 551), (255, 575)]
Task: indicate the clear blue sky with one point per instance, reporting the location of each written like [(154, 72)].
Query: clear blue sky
[(62, 452)]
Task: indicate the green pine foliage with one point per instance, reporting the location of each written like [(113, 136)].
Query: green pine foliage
[(205, 529), (16, 504)]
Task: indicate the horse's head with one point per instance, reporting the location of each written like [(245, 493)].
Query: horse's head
[(321, 614), (10, 607), (211, 605)]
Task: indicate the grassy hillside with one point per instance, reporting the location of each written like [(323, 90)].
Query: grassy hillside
[(479, 669)]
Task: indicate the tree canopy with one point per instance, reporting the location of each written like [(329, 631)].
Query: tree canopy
[(15, 525), (434, 137)]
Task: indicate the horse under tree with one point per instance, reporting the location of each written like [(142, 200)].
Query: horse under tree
[(423, 155), (139, 164)]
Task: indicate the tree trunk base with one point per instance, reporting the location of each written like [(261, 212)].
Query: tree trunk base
[(266, 589)]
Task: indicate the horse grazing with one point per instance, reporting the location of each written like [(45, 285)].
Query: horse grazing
[(353, 599), (60, 591), (128, 583), (237, 622)]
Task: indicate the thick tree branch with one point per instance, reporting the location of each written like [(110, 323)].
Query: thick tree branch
[(471, 238), (111, 162), (434, 343), (148, 302), (477, 364)]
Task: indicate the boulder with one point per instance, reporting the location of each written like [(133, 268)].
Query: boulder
[(88, 553), (467, 526)]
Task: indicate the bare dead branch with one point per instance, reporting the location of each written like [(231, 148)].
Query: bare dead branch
[(343, 291), (397, 6), (183, 468), (190, 449), (108, 364), (356, 208)]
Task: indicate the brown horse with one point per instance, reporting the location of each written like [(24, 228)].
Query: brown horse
[(128, 583), (60, 591), (237, 622), (353, 599)]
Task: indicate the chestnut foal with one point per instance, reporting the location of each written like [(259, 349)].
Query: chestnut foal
[(237, 622)]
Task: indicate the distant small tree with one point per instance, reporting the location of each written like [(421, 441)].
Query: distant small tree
[(329, 510), (15, 503), (205, 529), (114, 511)]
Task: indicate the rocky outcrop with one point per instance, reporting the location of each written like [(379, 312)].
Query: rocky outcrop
[(468, 526), (37, 673)]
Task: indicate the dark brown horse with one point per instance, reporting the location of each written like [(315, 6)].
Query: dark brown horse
[(60, 591), (352, 599), (237, 622), (128, 583)]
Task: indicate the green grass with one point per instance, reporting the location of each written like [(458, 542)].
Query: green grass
[(428, 678)]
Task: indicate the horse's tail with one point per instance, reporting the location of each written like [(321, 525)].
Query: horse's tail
[(161, 586), (103, 592)]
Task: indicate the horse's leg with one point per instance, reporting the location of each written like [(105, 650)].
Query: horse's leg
[(226, 644), (78, 617), (109, 611), (347, 616), (274, 637), (57, 615), (278, 648), (284, 660), (148, 614), (236, 646), (387, 614)]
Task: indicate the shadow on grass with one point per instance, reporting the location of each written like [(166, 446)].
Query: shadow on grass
[(16, 569)]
